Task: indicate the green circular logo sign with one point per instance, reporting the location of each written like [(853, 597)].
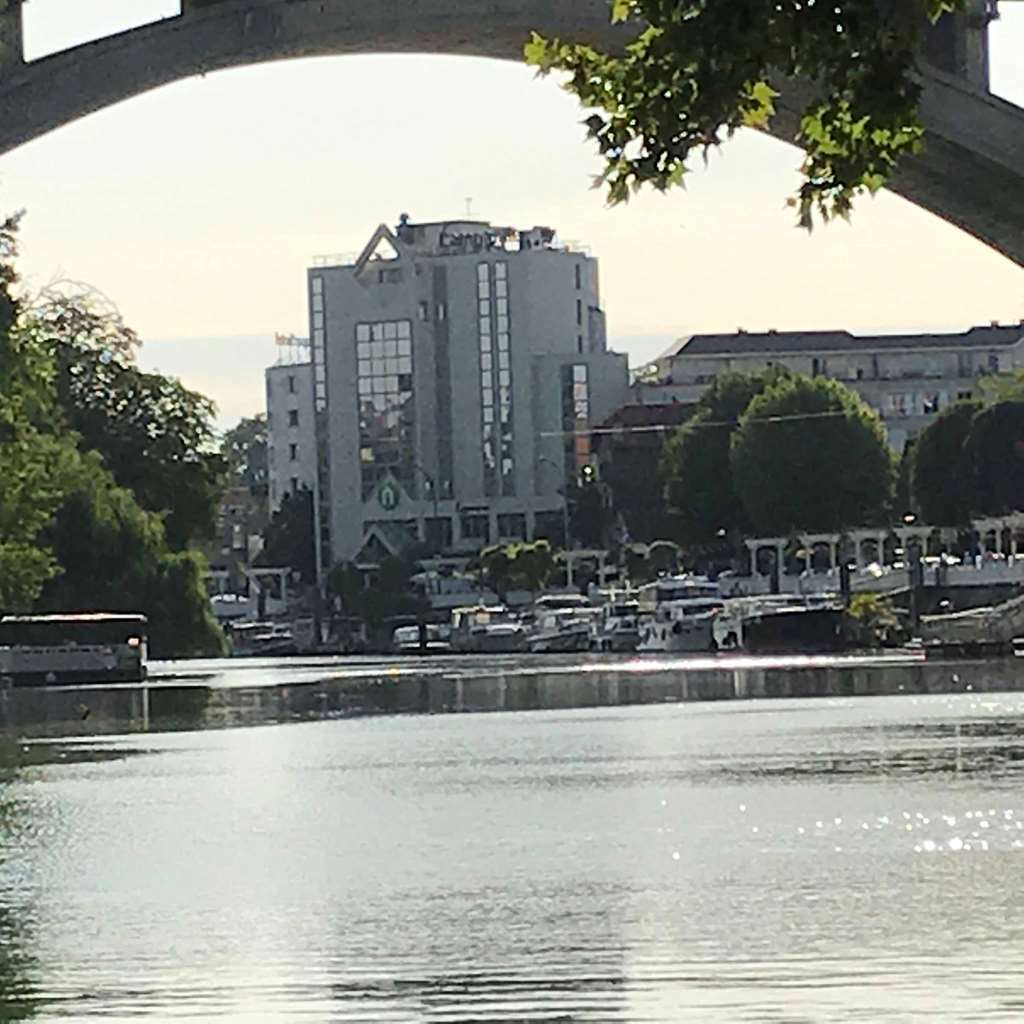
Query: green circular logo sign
[(388, 496)]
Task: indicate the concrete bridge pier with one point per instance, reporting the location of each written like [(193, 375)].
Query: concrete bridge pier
[(958, 44), (12, 47)]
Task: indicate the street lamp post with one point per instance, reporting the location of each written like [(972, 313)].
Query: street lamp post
[(564, 492)]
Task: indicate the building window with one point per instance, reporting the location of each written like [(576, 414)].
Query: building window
[(295, 485), (293, 417), (897, 404), (475, 526), (964, 396), (930, 405), (579, 311), (438, 533), (576, 417), (512, 526), (293, 453), (579, 276), (442, 312), (387, 412), (424, 308), (291, 384), (579, 344)]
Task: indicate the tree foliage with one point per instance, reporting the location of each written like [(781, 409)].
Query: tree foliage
[(113, 555), (589, 515), (994, 453), (34, 463), (155, 435), (810, 455), (517, 566), (632, 475), (695, 463), (389, 597), (941, 479), (695, 72), (244, 450), (288, 539)]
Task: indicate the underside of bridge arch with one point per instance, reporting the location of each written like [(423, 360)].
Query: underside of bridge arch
[(971, 174)]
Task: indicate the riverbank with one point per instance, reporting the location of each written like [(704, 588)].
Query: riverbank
[(221, 694)]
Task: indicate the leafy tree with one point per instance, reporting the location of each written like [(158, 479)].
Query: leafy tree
[(873, 622), (631, 473), (496, 566), (244, 449), (155, 435), (288, 538), (589, 513), (810, 455), (994, 451), (113, 555), (533, 565), (34, 464), (941, 478), (903, 493), (390, 597), (1003, 387), (517, 566), (695, 464), (697, 71)]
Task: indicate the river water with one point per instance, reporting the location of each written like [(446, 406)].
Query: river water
[(798, 861)]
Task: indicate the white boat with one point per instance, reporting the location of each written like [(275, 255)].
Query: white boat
[(675, 588), (561, 630), (90, 647), (486, 629), (407, 640), (678, 626), (618, 628)]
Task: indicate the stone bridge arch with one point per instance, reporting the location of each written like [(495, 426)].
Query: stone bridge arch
[(971, 174)]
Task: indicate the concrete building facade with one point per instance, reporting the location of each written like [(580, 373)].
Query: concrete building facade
[(291, 436), (457, 368), (908, 379)]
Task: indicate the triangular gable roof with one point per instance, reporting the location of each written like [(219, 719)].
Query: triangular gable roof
[(382, 234), (376, 545), (381, 540)]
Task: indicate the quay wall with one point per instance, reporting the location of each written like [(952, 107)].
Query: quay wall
[(477, 688)]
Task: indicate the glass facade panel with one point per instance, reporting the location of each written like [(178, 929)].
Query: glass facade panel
[(493, 325), (387, 407)]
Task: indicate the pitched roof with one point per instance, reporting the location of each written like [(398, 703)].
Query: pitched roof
[(840, 341)]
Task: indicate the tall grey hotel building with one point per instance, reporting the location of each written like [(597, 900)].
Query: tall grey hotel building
[(457, 367)]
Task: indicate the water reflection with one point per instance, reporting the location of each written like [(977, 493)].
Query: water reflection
[(772, 861), (18, 965)]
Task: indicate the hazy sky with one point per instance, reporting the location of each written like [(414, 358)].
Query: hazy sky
[(197, 207)]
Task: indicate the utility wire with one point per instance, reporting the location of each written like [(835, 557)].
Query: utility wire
[(661, 428)]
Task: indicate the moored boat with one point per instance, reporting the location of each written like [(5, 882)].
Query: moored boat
[(91, 647), (431, 639), (618, 628), (486, 629), (564, 630), (780, 624), (680, 626)]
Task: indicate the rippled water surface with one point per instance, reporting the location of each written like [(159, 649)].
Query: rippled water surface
[(842, 860)]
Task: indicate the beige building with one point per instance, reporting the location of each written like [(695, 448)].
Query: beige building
[(291, 435), (907, 378)]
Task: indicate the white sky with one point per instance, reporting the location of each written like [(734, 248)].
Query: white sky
[(197, 207)]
